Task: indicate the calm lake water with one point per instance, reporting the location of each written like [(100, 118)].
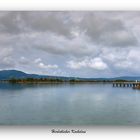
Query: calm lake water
[(69, 104)]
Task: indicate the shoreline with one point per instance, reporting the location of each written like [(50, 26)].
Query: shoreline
[(62, 82)]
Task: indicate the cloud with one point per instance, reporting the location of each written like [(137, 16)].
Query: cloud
[(24, 61), (54, 44), (6, 59), (107, 31), (55, 22), (105, 43), (94, 63), (38, 60), (42, 65), (25, 22), (7, 62), (63, 46)]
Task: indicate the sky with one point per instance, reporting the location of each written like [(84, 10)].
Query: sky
[(80, 43)]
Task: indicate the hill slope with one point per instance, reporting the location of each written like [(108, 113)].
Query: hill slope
[(8, 74)]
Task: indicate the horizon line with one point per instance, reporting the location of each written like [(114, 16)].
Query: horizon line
[(66, 76)]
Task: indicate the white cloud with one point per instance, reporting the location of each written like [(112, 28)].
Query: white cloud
[(76, 65), (37, 60), (97, 63), (42, 65), (94, 63)]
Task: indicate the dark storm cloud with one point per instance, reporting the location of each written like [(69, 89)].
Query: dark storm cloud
[(10, 23), (22, 22), (55, 22), (106, 31), (101, 30)]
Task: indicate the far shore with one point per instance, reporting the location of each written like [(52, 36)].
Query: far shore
[(56, 81)]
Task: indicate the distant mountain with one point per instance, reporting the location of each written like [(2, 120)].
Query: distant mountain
[(129, 78), (9, 74)]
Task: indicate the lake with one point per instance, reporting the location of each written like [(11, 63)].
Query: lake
[(68, 104)]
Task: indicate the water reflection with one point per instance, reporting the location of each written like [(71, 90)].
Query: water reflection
[(69, 104), (5, 86)]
